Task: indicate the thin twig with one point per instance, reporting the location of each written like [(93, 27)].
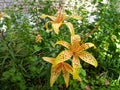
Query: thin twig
[(88, 35)]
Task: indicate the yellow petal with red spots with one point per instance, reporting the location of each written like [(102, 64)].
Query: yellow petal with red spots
[(55, 72), (66, 77), (63, 43), (86, 46), (70, 26), (76, 67), (88, 58), (63, 56), (56, 27), (66, 70), (49, 59)]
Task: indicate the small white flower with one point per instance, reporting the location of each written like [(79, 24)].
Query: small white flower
[(91, 18), (72, 3), (3, 29), (91, 8), (105, 2), (78, 25), (118, 45), (79, 21), (13, 26), (32, 23)]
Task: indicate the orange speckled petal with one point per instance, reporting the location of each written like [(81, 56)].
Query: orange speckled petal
[(66, 70), (63, 56), (63, 43), (66, 76), (86, 46), (88, 58), (76, 67), (55, 72)]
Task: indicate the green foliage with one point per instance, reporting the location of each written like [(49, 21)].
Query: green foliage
[(21, 64)]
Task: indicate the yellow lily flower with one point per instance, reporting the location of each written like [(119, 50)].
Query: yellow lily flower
[(55, 70), (76, 50), (4, 15), (59, 20)]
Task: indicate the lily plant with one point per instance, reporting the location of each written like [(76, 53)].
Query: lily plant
[(76, 50), (59, 20)]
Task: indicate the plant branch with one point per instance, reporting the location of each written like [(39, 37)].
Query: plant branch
[(88, 35)]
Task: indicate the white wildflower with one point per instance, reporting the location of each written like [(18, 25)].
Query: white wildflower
[(105, 2), (91, 9), (3, 28), (117, 45), (79, 21), (91, 18), (32, 23)]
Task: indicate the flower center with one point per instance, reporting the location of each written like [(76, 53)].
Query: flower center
[(59, 18)]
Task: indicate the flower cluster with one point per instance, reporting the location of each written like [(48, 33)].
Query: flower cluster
[(75, 50)]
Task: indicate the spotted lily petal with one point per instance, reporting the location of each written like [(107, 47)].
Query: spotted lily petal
[(56, 27), (70, 26), (66, 77), (86, 46), (63, 56), (75, 39), (44, 16), (63, 43), (55, 72), (88, 58), (49, 59), (66, 70), (4, 15), (76, 68)]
